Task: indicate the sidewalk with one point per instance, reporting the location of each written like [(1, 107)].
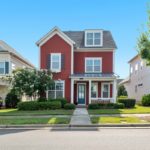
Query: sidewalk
[(121, 115), (80, 117)]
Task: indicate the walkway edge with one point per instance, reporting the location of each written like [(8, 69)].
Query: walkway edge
[(38, 126)]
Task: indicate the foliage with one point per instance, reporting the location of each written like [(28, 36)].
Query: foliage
[(128, 102), (1, 103), (41, 99), (34, 105), (119, 106), (122, 91), (62, 100), (11, 100), (69, 106), (143, 42), (31, 82), (93, 106), (146, 100)]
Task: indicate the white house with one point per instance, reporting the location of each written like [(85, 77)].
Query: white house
[(10, 60), (138, 82)]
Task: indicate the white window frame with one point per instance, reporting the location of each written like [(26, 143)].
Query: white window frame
[(96, 89), (4, 68), (53, 69), (93, 58), (102, 88), (94, 31), (58, 81), (131, 69)]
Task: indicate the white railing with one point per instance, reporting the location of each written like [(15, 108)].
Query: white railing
[(102, 99)]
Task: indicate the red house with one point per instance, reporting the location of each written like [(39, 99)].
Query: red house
[(82, 63)]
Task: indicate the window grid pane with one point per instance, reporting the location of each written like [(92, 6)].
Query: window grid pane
[(2, 67)]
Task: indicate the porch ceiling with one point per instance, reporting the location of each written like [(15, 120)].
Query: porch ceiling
[(94, 75)]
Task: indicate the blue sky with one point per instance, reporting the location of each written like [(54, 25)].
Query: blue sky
[(23, 22)]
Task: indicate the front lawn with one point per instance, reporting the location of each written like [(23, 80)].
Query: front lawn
[(101, 120), (136, 110), (21, 121), (16, 112)]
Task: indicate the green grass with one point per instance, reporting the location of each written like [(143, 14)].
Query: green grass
[(136, 110), (23, 121), (15, 112), (101, 120)]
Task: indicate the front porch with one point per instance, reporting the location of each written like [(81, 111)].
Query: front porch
[(87, 90)]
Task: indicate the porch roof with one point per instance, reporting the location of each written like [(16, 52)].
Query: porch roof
[(94, 75)]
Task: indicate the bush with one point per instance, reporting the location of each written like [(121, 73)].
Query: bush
[(146, 100), (1, 103), (109, 105), (93, 106), (33, 105), (41, 99), (69, 106), (119, 106), (128, 102), (11, 100), (101, 105), (62, 100)]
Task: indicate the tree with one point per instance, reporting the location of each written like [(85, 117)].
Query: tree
[(143, 43), (31, 82), (122, 91)]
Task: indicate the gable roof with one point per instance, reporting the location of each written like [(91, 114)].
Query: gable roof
[(78, 38), (4, 47), (51, 33)]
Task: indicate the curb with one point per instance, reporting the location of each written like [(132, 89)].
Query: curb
[(38, 126)]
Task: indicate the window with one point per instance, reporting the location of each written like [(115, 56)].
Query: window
[(136, 67), (2, 67), (94, 90), (93, 38), (105, 90), (93, 65), (56, 62), (56, 90)]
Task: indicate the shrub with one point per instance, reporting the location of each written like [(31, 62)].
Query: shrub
[(146, 100), (11, 100), (101, 105), (123, 96), (109, 105), (119, 106), (1, 103), (93, 106), (128, 102), (42, 99), (33, 105), (62, 100), (69, 106)]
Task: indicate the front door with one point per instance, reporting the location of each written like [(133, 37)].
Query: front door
[(81, 93)]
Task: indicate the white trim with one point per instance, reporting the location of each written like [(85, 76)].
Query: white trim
[(93, 31), (72, 90), (115, 90), (94, 50), (102, 87), (85, 92), (93, 58), (90, 91), (72, 60), (96, 89), (59, 69), (50, 34)]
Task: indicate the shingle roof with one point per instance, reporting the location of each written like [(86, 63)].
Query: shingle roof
[(94, 75), (4, 47), (78, 38)]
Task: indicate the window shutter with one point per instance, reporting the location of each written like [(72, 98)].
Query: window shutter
[(49, 61), (62, 61), (6, 67)]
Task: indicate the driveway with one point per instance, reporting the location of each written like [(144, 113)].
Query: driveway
[(48, 139)]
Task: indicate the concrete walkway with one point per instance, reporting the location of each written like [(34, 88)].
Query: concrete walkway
[(80, 117)]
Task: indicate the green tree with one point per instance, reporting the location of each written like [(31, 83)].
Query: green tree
[(31, 82), (122, 91), (143, 42)]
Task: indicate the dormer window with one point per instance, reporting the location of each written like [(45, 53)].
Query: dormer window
[(93, 38)]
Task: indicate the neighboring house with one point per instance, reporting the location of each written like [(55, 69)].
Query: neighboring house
[(10, 60), (83, 64), (138, 82)]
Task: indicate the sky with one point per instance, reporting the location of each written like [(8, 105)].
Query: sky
[(24, 22)]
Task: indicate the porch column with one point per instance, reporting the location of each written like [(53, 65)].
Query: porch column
[(89, 91), (114, 90), (72, 90)]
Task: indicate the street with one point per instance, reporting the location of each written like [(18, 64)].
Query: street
[(98, 139)]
